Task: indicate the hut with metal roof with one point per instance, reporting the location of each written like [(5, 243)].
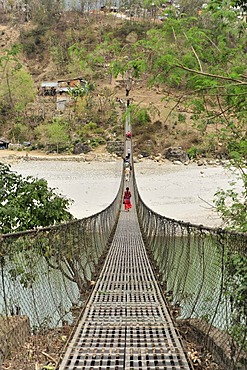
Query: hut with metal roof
[(4, 143)]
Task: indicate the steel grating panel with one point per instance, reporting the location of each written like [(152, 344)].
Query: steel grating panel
[(121, 296), (154, 344), (126, 324)]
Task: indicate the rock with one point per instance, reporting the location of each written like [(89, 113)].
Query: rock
[(201, 163), (90, 157), (176, 154), (144, 154), (80, 148), (158, 157), (210, 162)]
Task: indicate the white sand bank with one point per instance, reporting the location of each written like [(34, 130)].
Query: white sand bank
[(182, 192), (92, 185), (175, 191)]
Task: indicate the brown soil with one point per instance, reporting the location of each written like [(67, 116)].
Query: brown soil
[(44, 349), (40, 350), (199, 356)]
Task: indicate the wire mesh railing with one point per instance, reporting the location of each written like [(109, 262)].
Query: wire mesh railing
[(46, 272), (203, 273)]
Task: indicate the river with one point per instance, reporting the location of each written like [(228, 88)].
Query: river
[(176, 191)]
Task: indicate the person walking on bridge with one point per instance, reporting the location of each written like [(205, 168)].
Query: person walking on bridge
[(127, 173), (126, 201)]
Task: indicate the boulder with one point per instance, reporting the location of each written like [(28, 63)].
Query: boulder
[(144, 154), (176, 154), (80, 148)]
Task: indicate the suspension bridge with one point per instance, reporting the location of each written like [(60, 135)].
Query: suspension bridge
[(126, 321), (126, 324)]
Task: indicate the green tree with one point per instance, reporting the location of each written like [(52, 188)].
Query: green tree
[(16, 84), (55, 135), (204, 57), (140, 116), (27, 203), (46, 12), (232, 207), (231, 204), (20, 133)]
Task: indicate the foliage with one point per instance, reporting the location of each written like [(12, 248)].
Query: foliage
[(139, 116), (16, 85), (21, 87), (231, 203), (20, 133), (47, 12), (241, 3), (29, 203), (192, 152), (181, 117), (92, 133), (33, 41), (236, 292), (232, 206), (55, 134), (198, 61), (78, 92), (204, 57)]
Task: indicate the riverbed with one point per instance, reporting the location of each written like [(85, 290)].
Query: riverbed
[(175, 191)]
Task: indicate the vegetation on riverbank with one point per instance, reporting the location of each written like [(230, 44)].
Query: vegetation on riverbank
[(185, 79), (29, 203)]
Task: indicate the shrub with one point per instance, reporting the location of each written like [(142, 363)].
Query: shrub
[(192, 152)]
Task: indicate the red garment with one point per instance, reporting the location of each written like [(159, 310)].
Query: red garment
[(127, 202), (127, 194)]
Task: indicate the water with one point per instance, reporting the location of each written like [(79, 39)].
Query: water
[(174, 191), (38, 291)]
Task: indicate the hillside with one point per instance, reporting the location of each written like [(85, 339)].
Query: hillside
[(168, 123)]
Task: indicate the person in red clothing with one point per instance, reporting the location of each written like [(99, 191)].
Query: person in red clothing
[(128, 135), (126, 201)]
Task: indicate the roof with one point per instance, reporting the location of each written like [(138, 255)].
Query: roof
[(63, 89), (49, 84), (4, 140), (72, 79)]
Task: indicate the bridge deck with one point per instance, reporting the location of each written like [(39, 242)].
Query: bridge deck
[(126, 324)]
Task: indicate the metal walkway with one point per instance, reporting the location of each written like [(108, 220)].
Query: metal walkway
[(126, 324)]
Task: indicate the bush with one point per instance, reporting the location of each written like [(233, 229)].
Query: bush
[(33, 42), (141, 117), (27, 203), (192, 152)]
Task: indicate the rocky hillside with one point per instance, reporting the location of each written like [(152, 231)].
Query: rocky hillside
[(167, 123)]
